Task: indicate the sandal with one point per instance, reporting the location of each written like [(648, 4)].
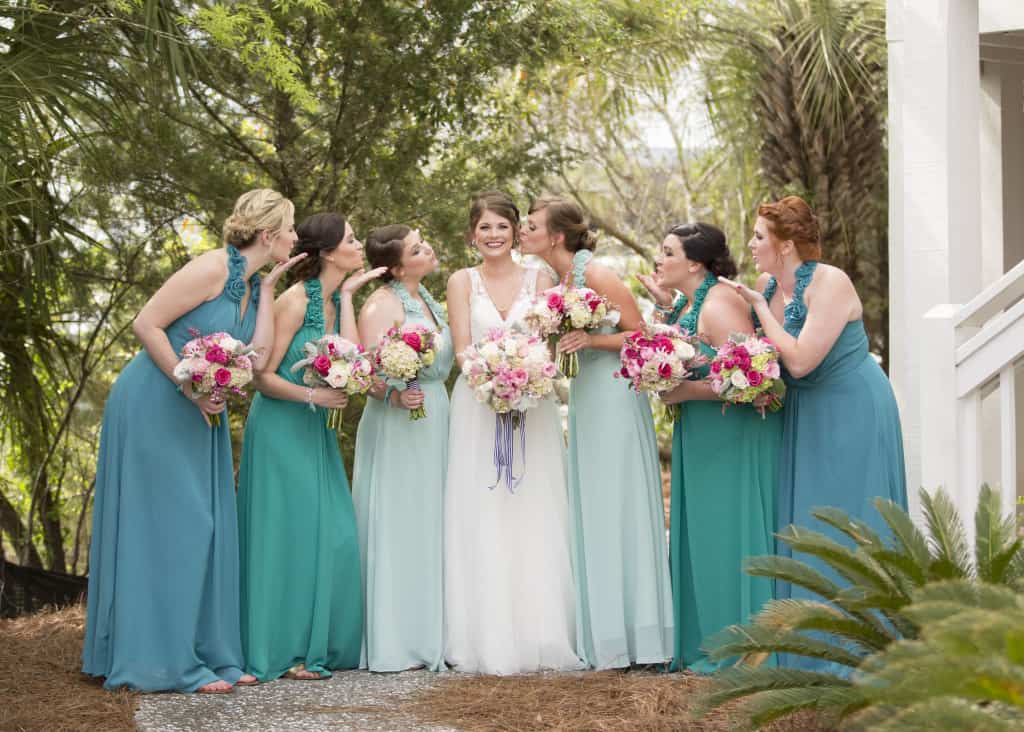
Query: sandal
[(298, 672), (210, 688), (251, 681)]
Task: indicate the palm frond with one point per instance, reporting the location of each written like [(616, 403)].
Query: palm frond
[(995, 536), (809, 615), (946, 536), (738, 640)]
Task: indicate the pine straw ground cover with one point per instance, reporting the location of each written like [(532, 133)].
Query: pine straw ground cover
[(41, 684), (606, 701)]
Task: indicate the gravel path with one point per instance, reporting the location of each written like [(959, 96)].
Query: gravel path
[(350, 700)]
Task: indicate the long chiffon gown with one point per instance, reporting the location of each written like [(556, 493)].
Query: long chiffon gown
[(724, 479), (624, 609), (509, 593), (301, 590), (842, 445), (398, 489), (163, 562)]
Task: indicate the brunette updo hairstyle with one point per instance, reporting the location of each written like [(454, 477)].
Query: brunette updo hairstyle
[(319, 234), (496, 201), (258, 210), (705, 243), (384, 248), (566, 217), (792, 219)]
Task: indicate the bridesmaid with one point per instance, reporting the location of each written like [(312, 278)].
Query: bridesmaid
[(400, 470), (841, 441), (724, 465), (163, 576), (302, 613), (624, 599)]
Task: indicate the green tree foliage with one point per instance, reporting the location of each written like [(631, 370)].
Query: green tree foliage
[(866, 614)]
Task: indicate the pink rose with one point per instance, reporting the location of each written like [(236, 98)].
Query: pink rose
[(716, 367), (413, 340), (330, 347), (520, 377), (243, 362), (624, 372), (730, 363), (197, 378), (549, 371), (755, 378), (664, 371), (741, 352), (216, 354), (322, 364), (556, 302), (222, 377), (772, 370), (661, 343)]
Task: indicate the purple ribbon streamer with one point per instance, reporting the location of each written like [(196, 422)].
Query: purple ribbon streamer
[(505, 426)]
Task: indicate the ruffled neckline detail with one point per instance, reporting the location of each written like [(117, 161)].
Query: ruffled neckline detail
[(795, 312), (315, 304), (234, 288), (580, 260), (413, 307), (689, 321)]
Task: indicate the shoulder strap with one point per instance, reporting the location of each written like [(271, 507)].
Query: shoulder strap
[(314, 304), (580, 260)]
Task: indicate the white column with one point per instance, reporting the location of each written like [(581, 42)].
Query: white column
[(991, 161), (934, 107)]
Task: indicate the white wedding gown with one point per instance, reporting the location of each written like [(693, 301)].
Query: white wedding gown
[(510, 603)]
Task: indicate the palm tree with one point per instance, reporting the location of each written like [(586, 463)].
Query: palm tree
[(865, 614)]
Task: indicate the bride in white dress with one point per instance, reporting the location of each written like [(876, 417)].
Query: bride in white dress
[(508, 592)]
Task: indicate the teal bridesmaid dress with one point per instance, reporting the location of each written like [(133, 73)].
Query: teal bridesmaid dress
[(301, 599), (163, 562), (398, 488), (620, 557), (724, 479), (841, 442)]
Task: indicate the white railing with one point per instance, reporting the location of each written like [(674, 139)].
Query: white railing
[(967, 353)]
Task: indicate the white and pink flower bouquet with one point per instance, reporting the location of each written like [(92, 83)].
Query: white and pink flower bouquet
[(336, 363), (659, 358), (510, 372), (561, 309), (404, 351), (217, 365), (746, 371)]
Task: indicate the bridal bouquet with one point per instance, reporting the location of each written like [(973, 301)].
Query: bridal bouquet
[(746, 371), (216, 364), (659, 358), (402, 353), (336, 363), (561, 309), (510, 372)]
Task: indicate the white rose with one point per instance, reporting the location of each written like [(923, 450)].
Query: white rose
[(489, 350), (739, 379), (685, 351), (337, 377)]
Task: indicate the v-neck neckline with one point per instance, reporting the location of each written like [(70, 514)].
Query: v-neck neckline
[(487, 294)]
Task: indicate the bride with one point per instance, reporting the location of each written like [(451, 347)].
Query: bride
[(509, 592)]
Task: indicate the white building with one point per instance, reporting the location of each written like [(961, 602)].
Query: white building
[(956, 190)]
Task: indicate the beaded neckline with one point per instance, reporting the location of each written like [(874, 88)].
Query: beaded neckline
[(689, 321), (413, 307)]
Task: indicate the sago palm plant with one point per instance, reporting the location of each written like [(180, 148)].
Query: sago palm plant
[(861, 614)]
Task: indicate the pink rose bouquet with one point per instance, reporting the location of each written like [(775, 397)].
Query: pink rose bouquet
[(336, 363), (404, 351), (561, 309), (659, 358), (746, 371), (216, 364), (510, 372)]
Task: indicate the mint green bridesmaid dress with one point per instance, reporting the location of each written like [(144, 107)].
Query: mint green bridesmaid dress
[(842, 444), (620, 556), (163, 561), (398, 489), (301, 590), (724, 478)]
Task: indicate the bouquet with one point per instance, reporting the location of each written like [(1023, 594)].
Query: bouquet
[(510, 372), (561, 309), (746, 371), (659, 358), (336, 363), (402, 353), (216, 364)]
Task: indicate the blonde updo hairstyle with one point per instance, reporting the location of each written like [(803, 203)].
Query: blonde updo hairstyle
[(258, 210), (566, 217)]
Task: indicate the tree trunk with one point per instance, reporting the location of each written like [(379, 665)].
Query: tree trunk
[(10, 523)]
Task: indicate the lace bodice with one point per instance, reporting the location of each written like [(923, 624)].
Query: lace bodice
[(484, 315)]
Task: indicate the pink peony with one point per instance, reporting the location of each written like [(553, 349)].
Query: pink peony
[(222, 377), (216, 354), (322, 364), (413, 340)]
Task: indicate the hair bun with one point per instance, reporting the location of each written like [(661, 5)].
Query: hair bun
[(238, 232), (588, 240)]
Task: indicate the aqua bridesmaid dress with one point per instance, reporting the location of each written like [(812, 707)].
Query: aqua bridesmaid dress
[(301, 590), (842, 445), (617, 515), (724, 479), (398, 489), (163, 562)]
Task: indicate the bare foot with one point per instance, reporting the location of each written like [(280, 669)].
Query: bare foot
[(215, 687)]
